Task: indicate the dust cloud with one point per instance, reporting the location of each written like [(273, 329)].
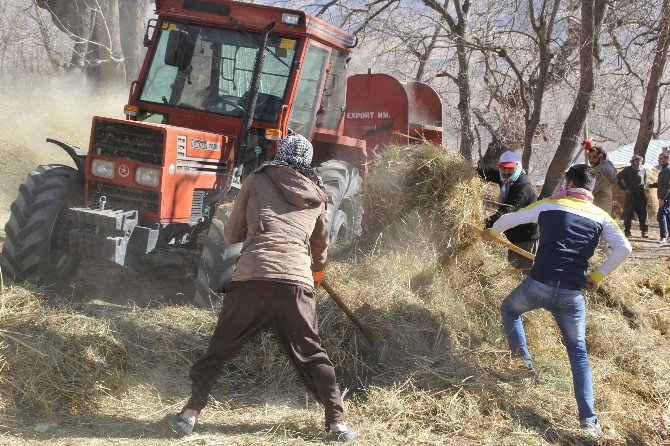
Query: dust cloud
[(33, 108)]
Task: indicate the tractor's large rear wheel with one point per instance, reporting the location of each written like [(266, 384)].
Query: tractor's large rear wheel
[(343, 210), (35, 248), (217, 263)]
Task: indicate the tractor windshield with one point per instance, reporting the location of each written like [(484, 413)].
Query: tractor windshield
[(214, 71)]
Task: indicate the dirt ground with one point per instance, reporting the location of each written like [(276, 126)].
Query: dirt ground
[(647, 250)]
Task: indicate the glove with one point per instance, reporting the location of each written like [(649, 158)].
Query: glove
[(317, 276)]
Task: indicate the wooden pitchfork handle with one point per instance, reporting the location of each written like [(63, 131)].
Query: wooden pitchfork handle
[(357, 322), (507, 244)]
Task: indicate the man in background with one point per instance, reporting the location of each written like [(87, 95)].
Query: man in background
[(516, 192), (632, 180), (605, 175), (663, 194)]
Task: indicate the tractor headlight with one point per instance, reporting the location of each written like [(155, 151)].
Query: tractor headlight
[(147, 176), (102, 168), (290, 19)]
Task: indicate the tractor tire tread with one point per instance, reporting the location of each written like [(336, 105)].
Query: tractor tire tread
[(28, 231), (216, 265)]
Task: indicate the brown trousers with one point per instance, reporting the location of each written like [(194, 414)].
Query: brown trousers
[(289, 310)]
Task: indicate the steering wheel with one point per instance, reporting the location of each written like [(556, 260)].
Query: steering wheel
[(212, 102)]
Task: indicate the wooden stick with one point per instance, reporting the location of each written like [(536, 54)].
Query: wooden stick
[(357, 322), (507, 244)]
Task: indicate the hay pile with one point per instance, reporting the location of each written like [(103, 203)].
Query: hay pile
[(441, 368), (434, 187), (54, 359)]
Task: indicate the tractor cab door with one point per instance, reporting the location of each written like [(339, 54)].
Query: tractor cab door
[(310, 88)]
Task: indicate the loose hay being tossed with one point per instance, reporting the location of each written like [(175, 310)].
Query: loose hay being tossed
[(432, 184)]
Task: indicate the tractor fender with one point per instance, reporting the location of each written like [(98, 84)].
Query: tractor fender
[(77, 154)]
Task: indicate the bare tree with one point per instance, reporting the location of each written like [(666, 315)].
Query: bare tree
[(646, 131), (543, 25), (106, 36), (593, 12), (458, 27)]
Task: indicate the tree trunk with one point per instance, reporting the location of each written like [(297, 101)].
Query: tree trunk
[(132, 24), (538, 97), (108, 37), (467, 133), (544, 28), (47, 41), (646, 131), (458, 31), (592, 16)]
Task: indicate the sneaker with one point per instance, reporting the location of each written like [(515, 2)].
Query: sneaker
[(591, 428), (644, 234), (179, 425), (663, 241), (342, 433), (627, 233)]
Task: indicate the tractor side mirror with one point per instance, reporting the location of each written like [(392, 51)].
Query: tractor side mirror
[(148, 34), (179, 49)]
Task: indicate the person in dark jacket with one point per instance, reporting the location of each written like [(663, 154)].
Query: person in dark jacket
[(633, 180), (516, 192), (279, 214), (663, 194)]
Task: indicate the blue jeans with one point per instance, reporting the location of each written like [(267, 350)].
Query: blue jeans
[(663, 216), (569, 311)]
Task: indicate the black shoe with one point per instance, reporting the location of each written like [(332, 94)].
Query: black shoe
[(627, 233), (644, 234), (343, 436), (179, 425)]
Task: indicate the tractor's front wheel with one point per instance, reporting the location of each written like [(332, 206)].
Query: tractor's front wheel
[(216, 265), (37, 233)]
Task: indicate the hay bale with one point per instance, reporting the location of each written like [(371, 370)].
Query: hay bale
[(436, 184), (54, 360)]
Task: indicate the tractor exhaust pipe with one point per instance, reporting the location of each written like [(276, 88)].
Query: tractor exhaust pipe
[(251, 106)]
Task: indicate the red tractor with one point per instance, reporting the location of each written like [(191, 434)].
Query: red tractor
[(222, 82)]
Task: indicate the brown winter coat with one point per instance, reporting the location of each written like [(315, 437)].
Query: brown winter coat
[(605, 175), (279, 214)]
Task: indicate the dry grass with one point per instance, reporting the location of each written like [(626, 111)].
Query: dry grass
[(440, 373), (54, 359)]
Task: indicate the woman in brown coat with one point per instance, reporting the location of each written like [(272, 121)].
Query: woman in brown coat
[(279, 214)]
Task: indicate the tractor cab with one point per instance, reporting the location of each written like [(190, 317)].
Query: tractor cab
[(200, 67)]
